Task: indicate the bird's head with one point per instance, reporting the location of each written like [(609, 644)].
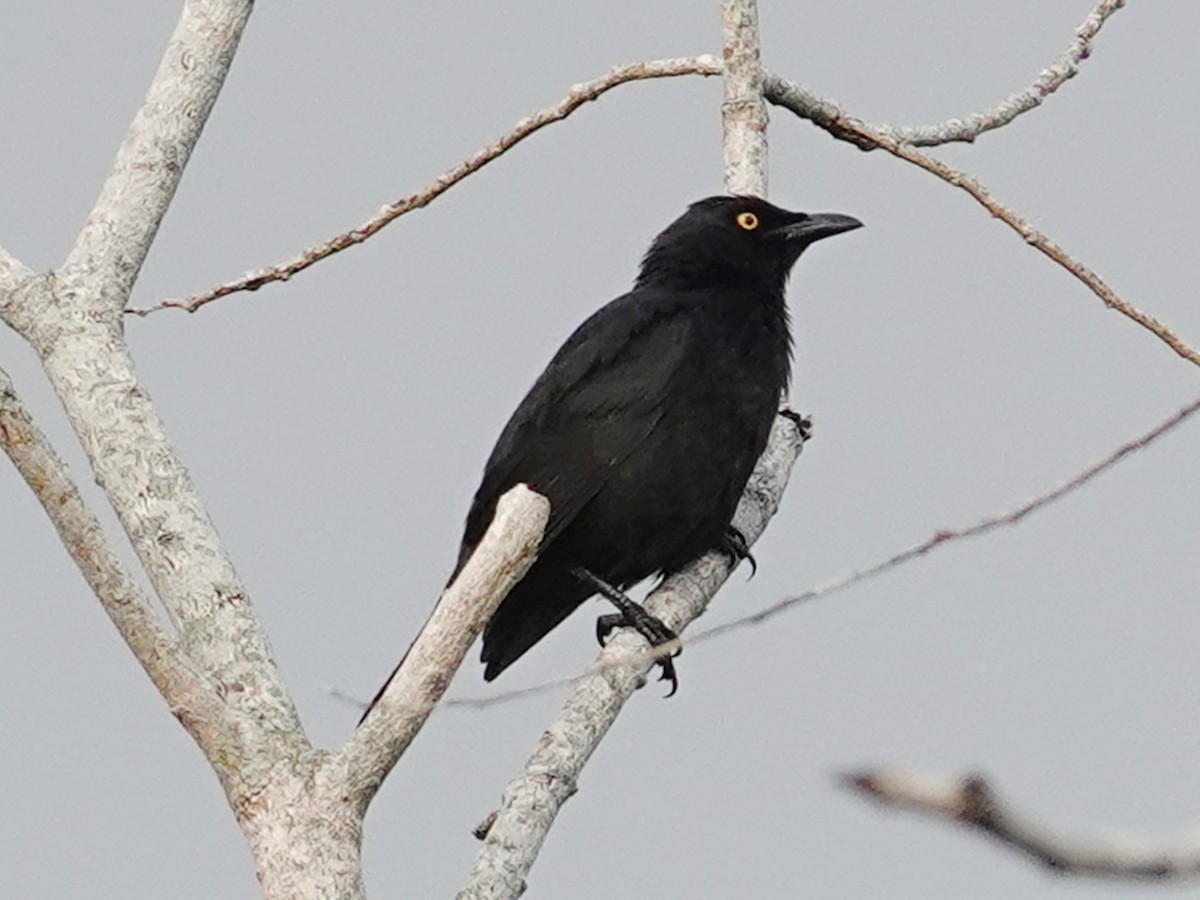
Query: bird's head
[(726, 237)]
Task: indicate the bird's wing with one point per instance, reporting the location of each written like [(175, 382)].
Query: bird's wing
[(601, 396)]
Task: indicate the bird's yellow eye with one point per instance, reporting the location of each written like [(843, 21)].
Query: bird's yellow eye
[(747, 220)]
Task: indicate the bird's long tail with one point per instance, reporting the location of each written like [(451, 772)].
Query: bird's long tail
[(533, 608)]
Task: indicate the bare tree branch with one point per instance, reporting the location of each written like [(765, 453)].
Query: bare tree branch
[(792, 96), (949, 535), (110, 249), (14, 275), (191, 698), (743, 113), (72, 320), (504, 555), (305, 826), (971, 801), (575, 98), (531, 801), (742, 93), (967, 129)]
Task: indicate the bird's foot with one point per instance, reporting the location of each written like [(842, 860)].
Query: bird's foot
[(736, 547), (802, 422), (632, 615), (652, 629)]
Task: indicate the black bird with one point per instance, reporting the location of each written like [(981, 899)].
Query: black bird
[(645, 426)]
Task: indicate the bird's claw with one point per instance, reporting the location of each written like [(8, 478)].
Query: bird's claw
[(802, 422), (605, 625), (668, 673), (653, 629), (737, 548)]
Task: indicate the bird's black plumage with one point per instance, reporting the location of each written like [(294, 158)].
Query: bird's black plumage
[(645, 426)]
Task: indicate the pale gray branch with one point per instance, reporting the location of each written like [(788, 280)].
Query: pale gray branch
[(113, 243), (1046, 83), (305, 825), (743, 112), (827, 113), (72, 320), (507, 550), (14, 275), (531, 801), (190, 696), (972, 801)]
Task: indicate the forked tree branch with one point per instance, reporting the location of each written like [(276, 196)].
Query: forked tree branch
[(305, 826), (72, 320), (14, 275), (499, 561), (111, 247), (513, 834), (1046, 83), (820, 111), (191, 697), (792, 96), (973, 802)]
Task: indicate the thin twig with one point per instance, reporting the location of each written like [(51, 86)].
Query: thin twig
[(1046, 83), (794, 97), (575, 98), (973, 802), (949, 535)]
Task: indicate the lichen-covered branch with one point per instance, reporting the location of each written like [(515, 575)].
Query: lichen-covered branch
[(827, 113), (191, 697), (743, 112), (74, 324), (506, 552), (72, 320), (305, 826), (513, 835), (14, 274), (113, 243), (972, 801)]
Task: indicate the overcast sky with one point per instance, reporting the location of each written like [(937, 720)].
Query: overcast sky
[(337, 426)]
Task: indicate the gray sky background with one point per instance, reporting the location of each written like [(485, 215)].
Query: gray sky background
[(337, 426)]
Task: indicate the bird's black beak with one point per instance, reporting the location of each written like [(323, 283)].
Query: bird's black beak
[(813, 227)]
